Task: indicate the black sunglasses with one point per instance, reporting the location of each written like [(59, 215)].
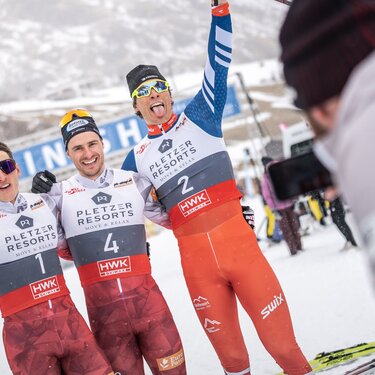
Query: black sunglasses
[(7, 166)]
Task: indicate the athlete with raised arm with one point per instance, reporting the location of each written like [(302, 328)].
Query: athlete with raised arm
[(43, 331), (102, 213), (186, 160)]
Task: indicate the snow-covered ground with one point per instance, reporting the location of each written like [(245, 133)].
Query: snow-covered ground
[(328, 291)]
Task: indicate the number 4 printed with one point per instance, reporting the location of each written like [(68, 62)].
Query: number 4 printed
[(107, 246)]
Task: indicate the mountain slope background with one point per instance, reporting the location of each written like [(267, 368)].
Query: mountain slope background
[(48, 45)]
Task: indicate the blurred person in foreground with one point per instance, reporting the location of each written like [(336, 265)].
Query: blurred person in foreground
[(43, 331), (102, 214), (186, 160), (289, 221), (329, 60)]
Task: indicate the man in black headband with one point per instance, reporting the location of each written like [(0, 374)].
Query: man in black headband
[(186, 160), (103, 218)]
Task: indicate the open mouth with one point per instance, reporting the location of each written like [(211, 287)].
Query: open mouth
[(90, 162), (158, 108), (4, 186)]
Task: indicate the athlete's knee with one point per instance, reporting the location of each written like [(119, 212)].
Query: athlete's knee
[(235, 362)]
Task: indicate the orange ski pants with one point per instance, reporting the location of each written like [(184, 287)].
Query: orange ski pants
[(221, 259)]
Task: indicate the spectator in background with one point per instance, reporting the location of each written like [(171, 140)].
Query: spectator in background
[(318, 207), (329, 59), (288, 222), (338, 216)]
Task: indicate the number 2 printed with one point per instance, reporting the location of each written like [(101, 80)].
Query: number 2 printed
[(185, 180)]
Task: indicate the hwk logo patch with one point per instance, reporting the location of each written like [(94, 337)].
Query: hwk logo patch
[(45, 287), (102, 198), (24, 222), (211, 326), (165, 145), (194, 203), (114, 266)]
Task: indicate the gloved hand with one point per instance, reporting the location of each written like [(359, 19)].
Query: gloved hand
[(42, 182), (248, 215)]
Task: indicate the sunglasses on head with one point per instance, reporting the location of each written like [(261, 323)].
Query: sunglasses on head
[(7, 166), (145, 89), (74, 113)]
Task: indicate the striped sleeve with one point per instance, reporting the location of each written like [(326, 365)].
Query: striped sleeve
[(206, 109)]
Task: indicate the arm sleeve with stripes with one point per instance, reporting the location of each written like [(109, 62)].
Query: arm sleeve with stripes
[(206, 109)]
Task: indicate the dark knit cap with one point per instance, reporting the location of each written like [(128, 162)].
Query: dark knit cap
[(78, 122), (140, 74), (322, 41)]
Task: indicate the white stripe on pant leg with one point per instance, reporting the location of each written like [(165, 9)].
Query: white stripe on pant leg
[(244, 372)]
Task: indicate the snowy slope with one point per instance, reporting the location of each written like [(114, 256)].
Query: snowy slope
[(328, 292), (50, 45)]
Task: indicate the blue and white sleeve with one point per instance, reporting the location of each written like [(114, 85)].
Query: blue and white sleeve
[(129, 162), (206, 109)]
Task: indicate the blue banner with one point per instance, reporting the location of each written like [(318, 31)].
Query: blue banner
[(117, 135)]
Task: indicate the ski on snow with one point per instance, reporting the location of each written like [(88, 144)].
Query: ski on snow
[(366, 368), (326, 360)]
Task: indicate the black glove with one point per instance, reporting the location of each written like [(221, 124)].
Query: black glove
[(42, 182), (248, 215)]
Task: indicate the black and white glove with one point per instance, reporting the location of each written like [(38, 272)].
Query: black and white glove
[(248, 214), (42, 182)]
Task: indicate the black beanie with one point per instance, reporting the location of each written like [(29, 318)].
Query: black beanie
[(322, 41), (142, 73), (81, 121)]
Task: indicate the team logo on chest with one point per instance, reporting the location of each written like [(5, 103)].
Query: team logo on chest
[(102, 198), (165, 145), (24, 222)]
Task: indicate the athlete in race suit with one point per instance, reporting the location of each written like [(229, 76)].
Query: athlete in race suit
[(43, 331), (102, 213), (186, 160)]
